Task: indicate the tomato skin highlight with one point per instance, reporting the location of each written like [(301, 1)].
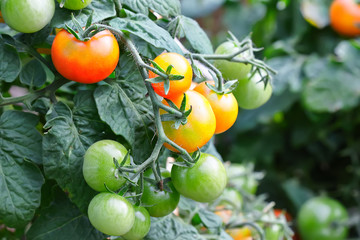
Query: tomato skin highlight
[(75, 4), (344, 15), (27, 16), (203, 182), (316, 219), (225, 106), (141, 225), (159, 203), (85, 62), (200, 126), (99, 167), (180, 67), (111, 214)]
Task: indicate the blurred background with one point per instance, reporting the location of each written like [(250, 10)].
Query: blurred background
[(307, 137)]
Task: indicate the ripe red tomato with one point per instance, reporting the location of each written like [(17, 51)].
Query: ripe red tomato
[(203, 182), (180, 67), (345, 17), (85, 62), (200, 126), (111, 214), (225, 106)]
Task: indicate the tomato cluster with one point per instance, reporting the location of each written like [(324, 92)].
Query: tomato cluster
[(108, 212)]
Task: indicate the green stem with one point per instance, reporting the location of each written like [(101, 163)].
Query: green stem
[(118, 7), (46, 92)]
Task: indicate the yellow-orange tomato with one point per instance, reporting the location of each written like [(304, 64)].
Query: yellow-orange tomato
[(180, 67), (243, 233), (200, 126), (225, 106), (85, 62), (345, 17)]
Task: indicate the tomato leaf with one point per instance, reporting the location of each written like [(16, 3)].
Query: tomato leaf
[(62, 220), (10, 64), (144, 28), (166, 8), (33, 74), (20, 178), (102, 9), (69, 135), (124, 106), (186, 27), (209, 219), (171, 227)]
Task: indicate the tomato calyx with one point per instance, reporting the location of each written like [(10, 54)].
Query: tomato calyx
[(172, 117), (82, 34), (164, 76)]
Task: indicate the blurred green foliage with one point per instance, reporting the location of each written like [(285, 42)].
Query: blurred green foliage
[(307, 137)]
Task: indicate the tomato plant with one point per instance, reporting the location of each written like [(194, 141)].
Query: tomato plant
[(141, 225), (180, 67), (99, 168), (27, 16), (85, 62), (252, 93), (159, 202), (200, 125), (232, 70), (344, 17), (224, 106), (322, 218), (240, 177), (75, 4), (203, 182), (111, 214)]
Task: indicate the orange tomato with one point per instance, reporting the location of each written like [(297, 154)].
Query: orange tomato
[(180, 67), (243, 233), (200, 126), (85, 62), (345, 17), (225, 106)]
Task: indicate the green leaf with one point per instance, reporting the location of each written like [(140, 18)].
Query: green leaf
[(144, 28), (289, 73), (210, 219), (186, 27), (62, 220), (20, 179), (124, 106), (331, 87), (10, 64), (102, 9), (33, 74), (164, 8), (297, 194), (171, 227), (69, 136)]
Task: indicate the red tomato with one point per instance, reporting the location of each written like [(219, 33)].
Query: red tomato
[(225, 106), (200, 126), (345, 17), (85, 62), (180, 67)]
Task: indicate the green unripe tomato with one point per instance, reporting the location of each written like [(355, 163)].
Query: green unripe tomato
[(27, 16), (203, 182), (322, 218), (75, 4), (232, 70), (274, 232), (99, 167), (252, 93), (159, 203), (141, 225), (111, 214)]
